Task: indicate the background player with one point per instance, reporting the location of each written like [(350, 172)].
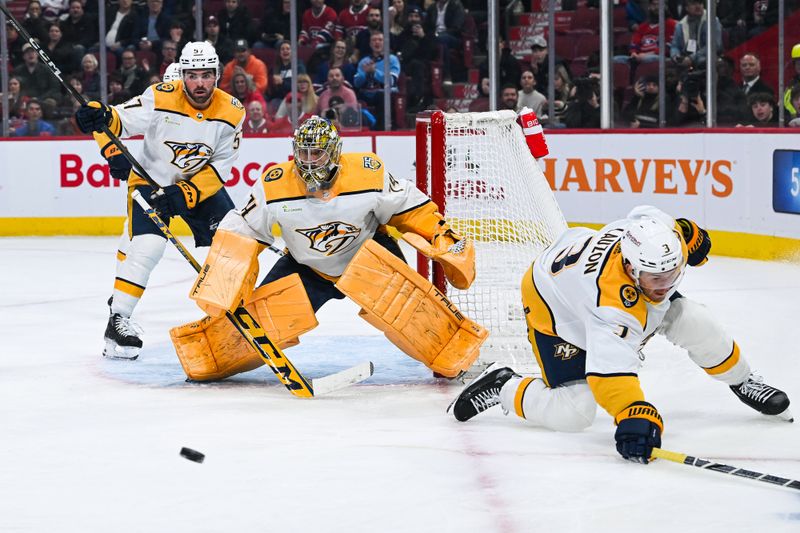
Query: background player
[(592, 300), (332, 209), (192, 132)]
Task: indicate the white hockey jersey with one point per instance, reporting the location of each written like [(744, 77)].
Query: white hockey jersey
[(180, 141), (325, 234), (596, 306)]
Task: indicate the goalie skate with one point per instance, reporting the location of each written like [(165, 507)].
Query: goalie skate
[(123, 338), (482, 393), (763, 398)]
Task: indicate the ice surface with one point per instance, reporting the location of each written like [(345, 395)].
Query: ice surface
[(91, 445)]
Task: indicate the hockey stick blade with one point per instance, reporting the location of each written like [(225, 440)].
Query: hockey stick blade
[(735, 471), (343, 378)]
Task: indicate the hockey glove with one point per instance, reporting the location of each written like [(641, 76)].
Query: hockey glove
[(639, 428), (455, 253), (118, 164), (697, 241), (175, 200), (93, 116)]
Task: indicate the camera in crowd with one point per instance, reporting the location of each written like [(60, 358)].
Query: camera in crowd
[(586, 88), (693, 84)]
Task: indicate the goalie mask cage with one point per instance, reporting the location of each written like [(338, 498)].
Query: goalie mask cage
[(478, 169)]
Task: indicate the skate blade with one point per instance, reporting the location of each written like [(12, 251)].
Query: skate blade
[(126, 353), (786, 415)]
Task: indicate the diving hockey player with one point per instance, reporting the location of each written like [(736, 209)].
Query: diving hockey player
[(592, 300), (332, 209), (192, 132)]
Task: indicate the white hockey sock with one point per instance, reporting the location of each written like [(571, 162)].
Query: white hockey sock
[(567, 408), (144, 253)]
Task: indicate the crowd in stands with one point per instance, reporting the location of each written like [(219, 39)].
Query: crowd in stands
[(438, 59)]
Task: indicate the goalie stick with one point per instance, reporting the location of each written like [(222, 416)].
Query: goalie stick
[(725, 469), (241, 319), (257, 338)]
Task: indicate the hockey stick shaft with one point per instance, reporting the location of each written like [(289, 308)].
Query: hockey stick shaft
[(242, 320), (705, 464)]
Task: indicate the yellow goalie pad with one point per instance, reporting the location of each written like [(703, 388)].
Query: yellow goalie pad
[(212, 349), (228, 275), (411, 312)]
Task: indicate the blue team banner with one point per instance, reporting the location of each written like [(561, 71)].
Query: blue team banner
[(786, 181)]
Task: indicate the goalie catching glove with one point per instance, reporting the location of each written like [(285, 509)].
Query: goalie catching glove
[(697, 241), (639, 428), (454, 253), (175, 200), (228, 275)]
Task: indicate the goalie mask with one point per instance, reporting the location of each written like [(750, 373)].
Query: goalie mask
[(656, 254), (317, 149), (199, 55)]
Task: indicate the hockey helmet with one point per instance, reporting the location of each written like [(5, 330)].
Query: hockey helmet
[(172, 73), (199, 55), (317, 149), (653, 248)]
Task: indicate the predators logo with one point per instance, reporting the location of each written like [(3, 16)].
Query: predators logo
[(331, 237), (566, 351), (189, 157), (372, 164)]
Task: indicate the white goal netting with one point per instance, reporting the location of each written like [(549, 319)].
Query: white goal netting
[(496, 193)]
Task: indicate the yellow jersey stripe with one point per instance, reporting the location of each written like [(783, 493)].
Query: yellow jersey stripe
[(725, 365), (128, 287)]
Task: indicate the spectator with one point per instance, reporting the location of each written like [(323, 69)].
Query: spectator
[(540, 63), (374, 24), (90, 76), (276, 25), (562, 87), (398, 16), (222, 44), (339, 58), (445, 20), (153, 26), (79, 29), (508, 97), (16, 100), (34, 23), (750, 69), (691, 106), (282, 73), (169, 55), (642, 110), (644, 42), (121, 27), (319, 25), (792, 119), (255, 122), (689, 43), (528, 96), (416, 49), (243, 88), (787, 98), (583, 108), (61, 52), (510, 70), (352, 20), (762, 111), (36, 79), (305, 95), (636, 13), (761, 15), (369, 80), (730, 98), (117, 94), (234, 21), (250, 63), (66, 105), (177, 34), (34, 126), (732, 15), (53, 9), (134, 78), (15, 43), (335, 88)]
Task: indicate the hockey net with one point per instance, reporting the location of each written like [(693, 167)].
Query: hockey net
[(478, 169)]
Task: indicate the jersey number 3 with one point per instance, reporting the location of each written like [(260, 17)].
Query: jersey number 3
[(568, 257)]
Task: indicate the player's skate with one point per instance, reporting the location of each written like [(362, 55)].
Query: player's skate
[(123, 338), (482, 393), (763, 398)]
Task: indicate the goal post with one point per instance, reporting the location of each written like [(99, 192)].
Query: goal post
[(478, 169)]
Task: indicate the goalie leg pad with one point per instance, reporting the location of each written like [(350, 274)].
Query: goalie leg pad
[(692, 326), (411, 312), (212, 349)]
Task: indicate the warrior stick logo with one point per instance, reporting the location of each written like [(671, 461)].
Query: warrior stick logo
[(189, 157), (331, 237)]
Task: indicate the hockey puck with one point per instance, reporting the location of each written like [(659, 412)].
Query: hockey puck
[(192, 455)]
